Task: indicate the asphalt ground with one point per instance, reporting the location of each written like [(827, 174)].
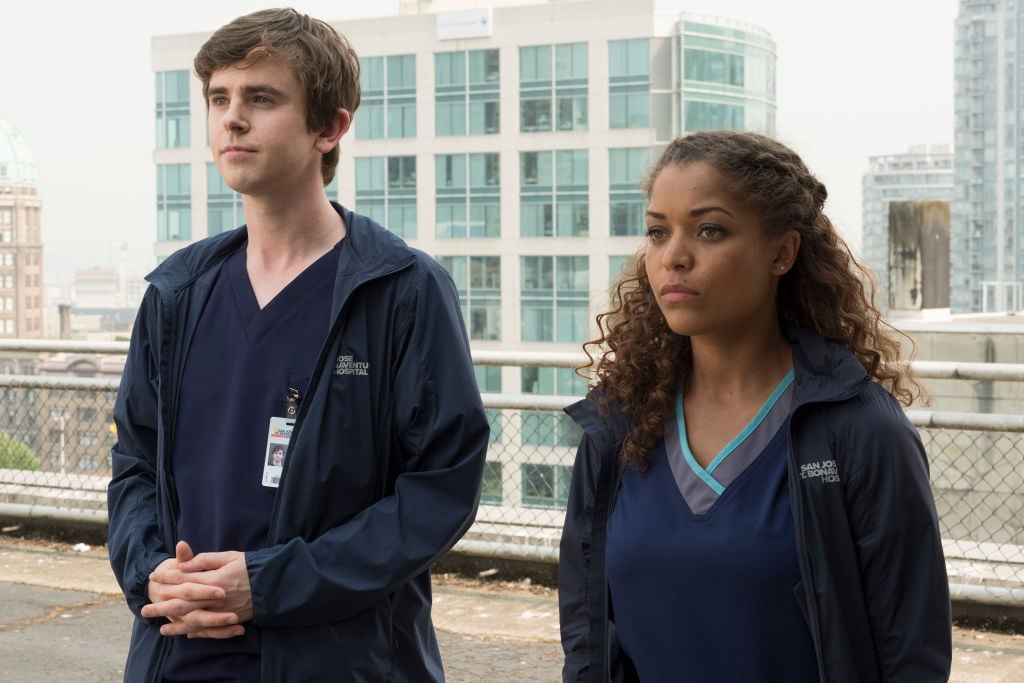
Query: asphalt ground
[(62, 619)]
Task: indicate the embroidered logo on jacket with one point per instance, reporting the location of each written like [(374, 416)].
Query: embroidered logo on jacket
[(345, 365), (827, 471)]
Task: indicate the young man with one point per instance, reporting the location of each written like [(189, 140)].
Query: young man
[(314, 328)]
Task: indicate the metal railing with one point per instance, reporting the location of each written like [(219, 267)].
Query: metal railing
[(56, 433)]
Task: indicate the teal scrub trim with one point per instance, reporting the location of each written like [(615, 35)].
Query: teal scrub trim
[(705, 474)]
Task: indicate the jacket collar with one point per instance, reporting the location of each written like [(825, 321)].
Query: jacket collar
[(368, 250), (823, 372)]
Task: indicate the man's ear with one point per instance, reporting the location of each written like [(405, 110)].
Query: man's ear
[(330, 136)]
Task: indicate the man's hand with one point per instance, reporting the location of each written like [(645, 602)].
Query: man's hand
[(204, 596)]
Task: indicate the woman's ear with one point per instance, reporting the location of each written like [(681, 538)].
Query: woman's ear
[(787, 245)]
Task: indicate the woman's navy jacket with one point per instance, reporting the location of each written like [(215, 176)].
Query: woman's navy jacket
[(382, 478), (873, 579)]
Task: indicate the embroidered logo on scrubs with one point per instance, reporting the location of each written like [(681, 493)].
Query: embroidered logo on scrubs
[(347, 365), (827, 471)]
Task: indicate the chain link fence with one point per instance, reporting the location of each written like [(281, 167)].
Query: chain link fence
[(56, 434)]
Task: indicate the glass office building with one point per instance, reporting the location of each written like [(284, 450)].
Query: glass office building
[(986, 267)]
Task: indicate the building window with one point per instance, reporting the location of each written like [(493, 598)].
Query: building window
[(553, 194), (466, 93), (713, 116), (173, 203), (713, 67), (490, 494), (629, 83), (627, 207), (6, 216), (388, 106), (478, 281), (172, 111), (468, 202), (544, 428), (616, 269), (223, 205), (488, 380), (553, 87), (386, 192), (554, 297), (545, 485)]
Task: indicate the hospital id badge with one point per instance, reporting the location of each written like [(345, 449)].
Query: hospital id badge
[(278, 436)]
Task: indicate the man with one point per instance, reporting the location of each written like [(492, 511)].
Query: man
[(322, 573)]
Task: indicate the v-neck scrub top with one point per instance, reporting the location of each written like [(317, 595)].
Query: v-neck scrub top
[(241, 363), (702, 562)]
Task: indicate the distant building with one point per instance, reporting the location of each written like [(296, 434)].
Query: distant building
[(21, 243), (987, 227), (924, 172)]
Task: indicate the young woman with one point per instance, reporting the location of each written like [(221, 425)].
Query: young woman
[(749, 502)]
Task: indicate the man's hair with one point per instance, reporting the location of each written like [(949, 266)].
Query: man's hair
[(322, 59)]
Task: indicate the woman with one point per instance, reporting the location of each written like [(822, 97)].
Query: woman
[(749, 502)]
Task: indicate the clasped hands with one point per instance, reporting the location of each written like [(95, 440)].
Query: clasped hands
[(203, 596)]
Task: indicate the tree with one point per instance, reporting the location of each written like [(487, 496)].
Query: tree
[(15, 455)]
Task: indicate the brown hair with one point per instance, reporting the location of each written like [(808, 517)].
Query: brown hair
[(322, 59), (637, 362)]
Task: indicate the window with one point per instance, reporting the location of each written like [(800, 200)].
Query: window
[(174, 206), (627, 207), (223, 205), (544, 428), (553, 194), (386, 192), (6, 216), (466, 93), (713, 115), (468, 202), (478, 280), (172, 109), (488, 379), (553, 87), (545, 485), (554, 298), (713, 67), (388, 105), (629, 93), (490, 494)]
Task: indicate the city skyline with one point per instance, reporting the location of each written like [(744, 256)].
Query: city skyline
[(852, 83)]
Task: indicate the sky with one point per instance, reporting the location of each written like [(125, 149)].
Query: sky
[(853, 80)]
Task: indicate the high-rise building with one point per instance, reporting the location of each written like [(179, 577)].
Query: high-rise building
[(924, 172), (21, 244), (507, 141), (986, 268)]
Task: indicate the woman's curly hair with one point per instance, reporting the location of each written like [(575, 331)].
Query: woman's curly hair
[(637, 363)]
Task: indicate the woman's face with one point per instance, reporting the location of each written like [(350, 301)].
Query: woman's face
[(712, 267)]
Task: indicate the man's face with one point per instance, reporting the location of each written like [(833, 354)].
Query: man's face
[(278, 456), (258, 133)]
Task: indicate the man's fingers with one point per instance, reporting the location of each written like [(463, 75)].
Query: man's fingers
[(219, 633), (205, 562), (202, 621), (191, 592)]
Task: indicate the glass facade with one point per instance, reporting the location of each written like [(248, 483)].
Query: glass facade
[(388, 105), (223, 205), (554, 200), (468, 202), (386, 192), (172, 109), (629, 83), (478, 280), (627, 206), (554, 298), (728, 79), (173, 202), (544, 428), (467, 93), (553, 87)]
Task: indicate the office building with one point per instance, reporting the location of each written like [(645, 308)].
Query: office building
[(21, 244), (985, 242)]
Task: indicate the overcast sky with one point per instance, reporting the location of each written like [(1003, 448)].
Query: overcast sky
[(854, 80)]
